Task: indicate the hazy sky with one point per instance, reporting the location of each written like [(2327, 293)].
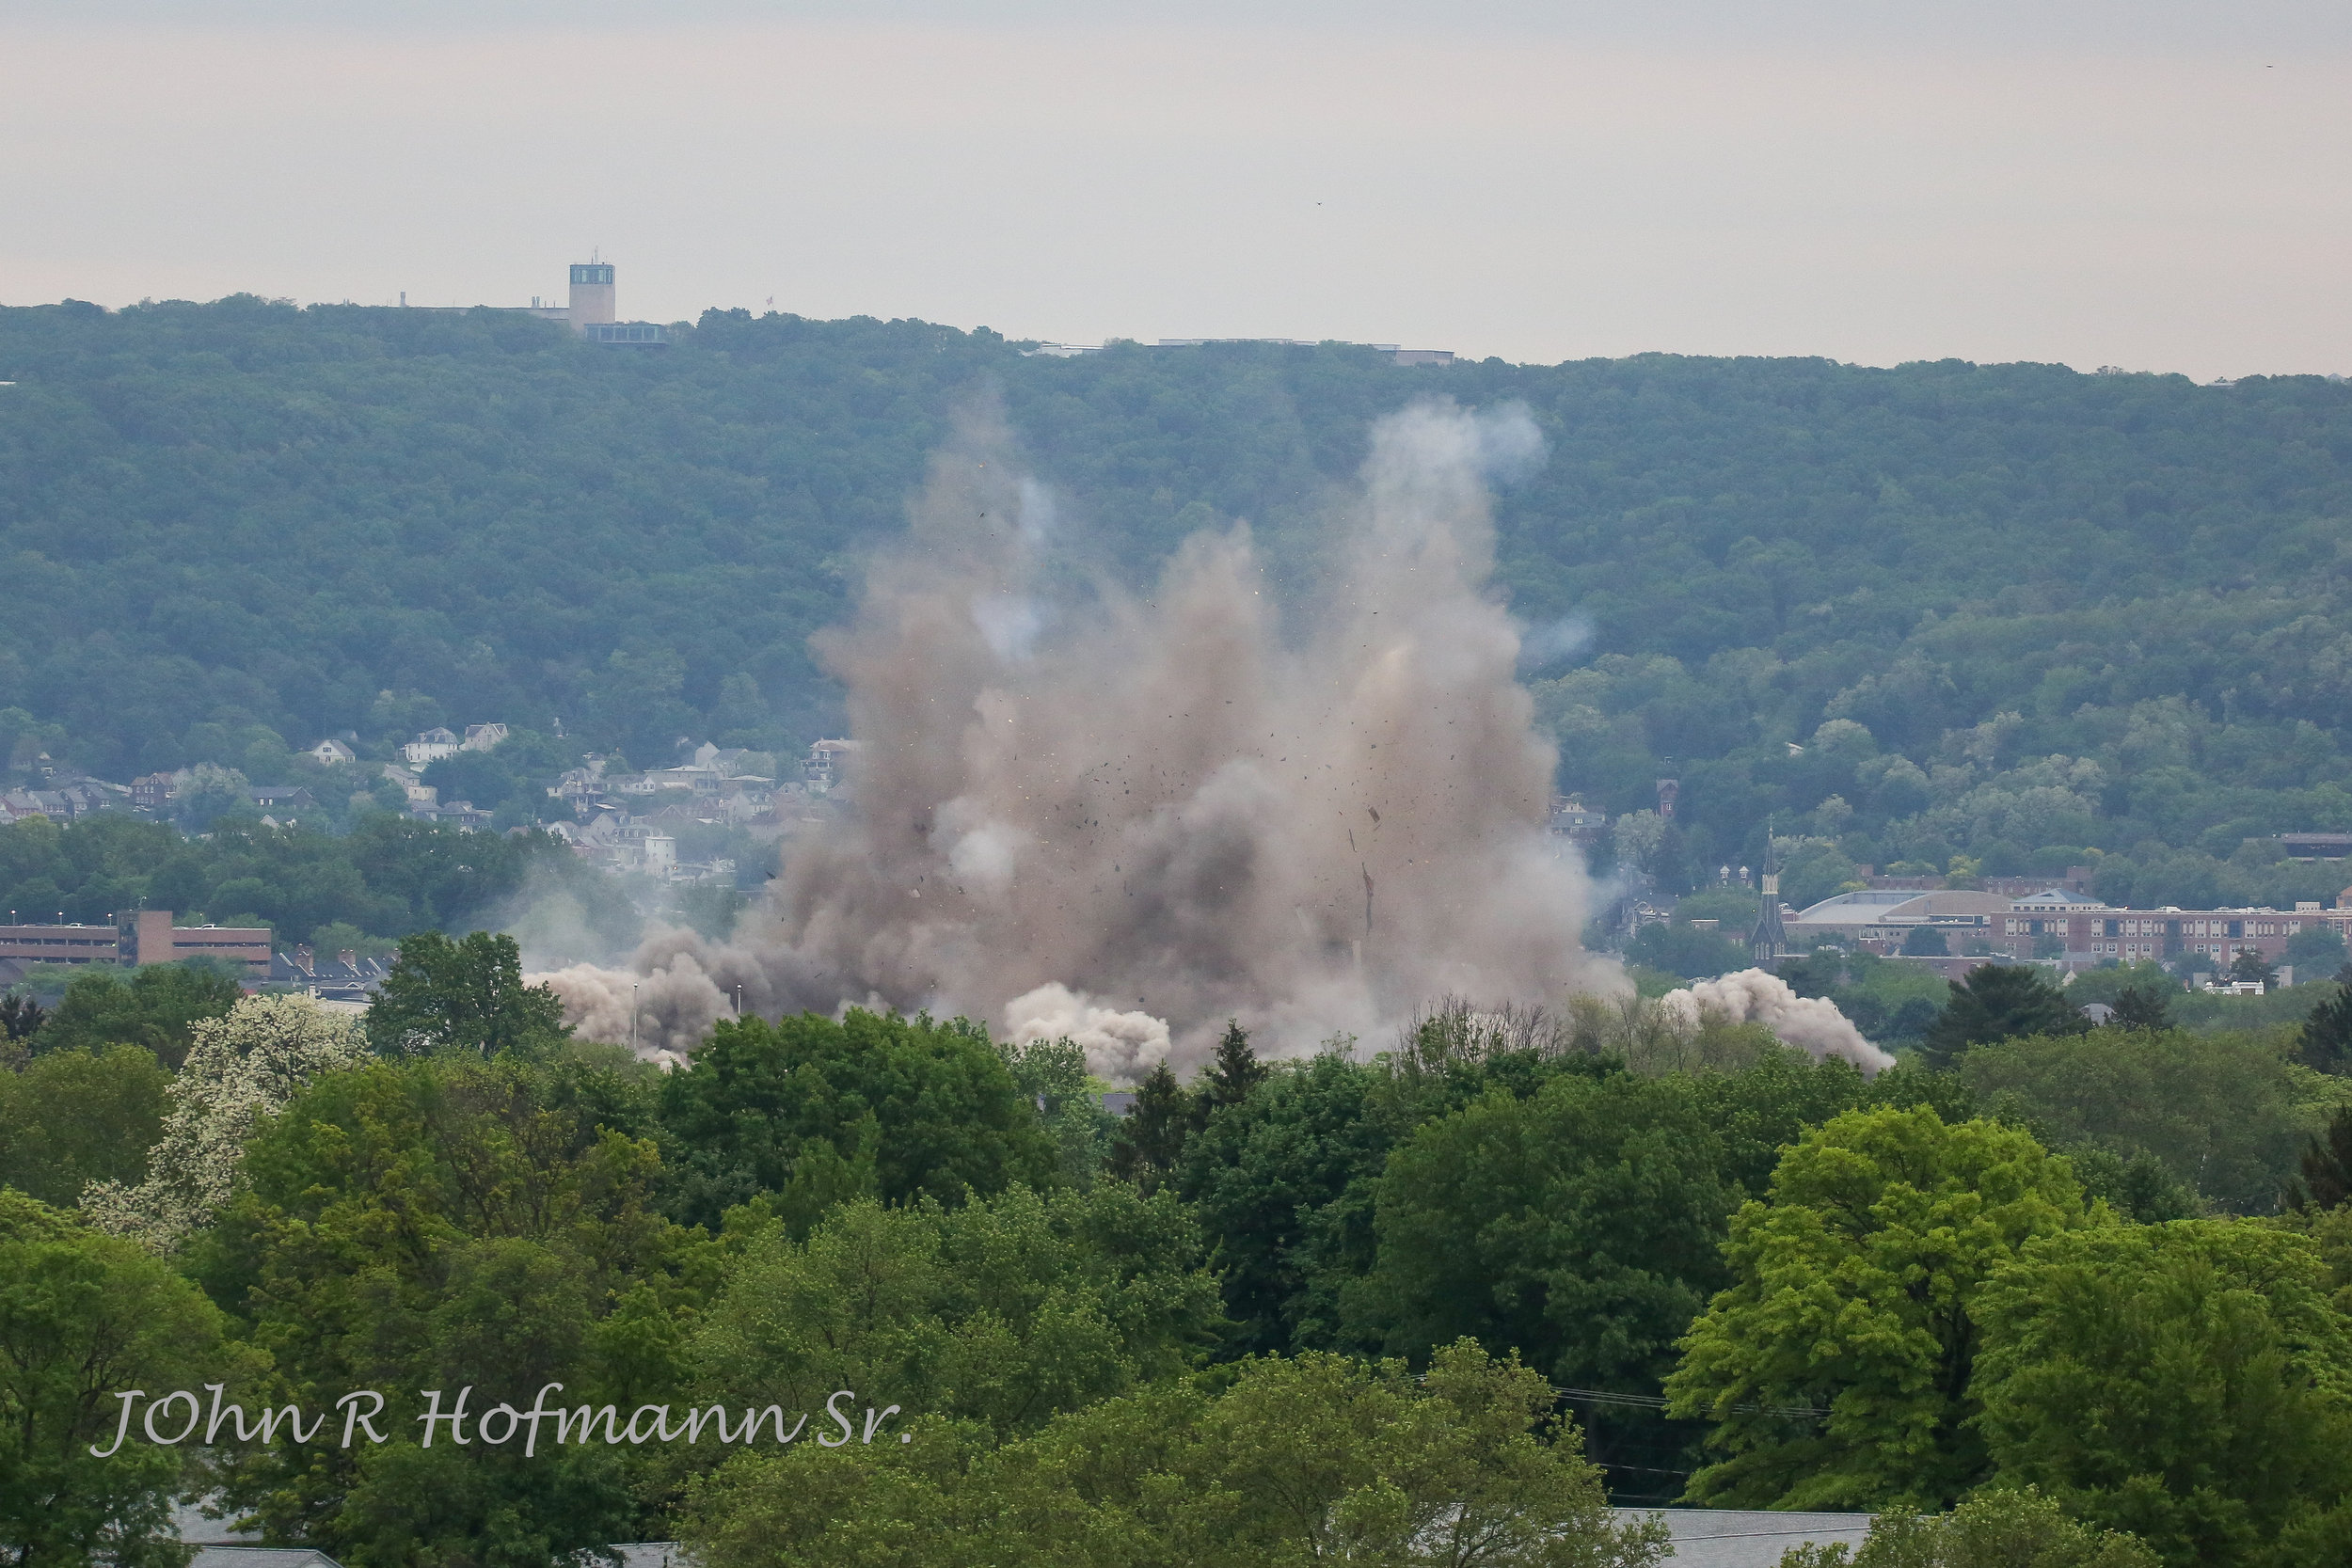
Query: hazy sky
[(2158, 185)]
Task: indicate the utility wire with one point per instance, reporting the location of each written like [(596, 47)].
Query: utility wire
[(1652, 1401)]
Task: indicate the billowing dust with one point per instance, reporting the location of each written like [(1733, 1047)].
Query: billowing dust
[(1129, 819)]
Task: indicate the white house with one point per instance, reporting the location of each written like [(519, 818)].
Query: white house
[(482, 738), (331, 751), (430, 746)]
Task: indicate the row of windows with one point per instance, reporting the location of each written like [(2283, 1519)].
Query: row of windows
[(2133, 950), (2149, 928)]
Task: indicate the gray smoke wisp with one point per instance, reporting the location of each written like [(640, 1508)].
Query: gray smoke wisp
[(1130, 820)]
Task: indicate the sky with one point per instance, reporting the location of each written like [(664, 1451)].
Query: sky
[(2160, 186)]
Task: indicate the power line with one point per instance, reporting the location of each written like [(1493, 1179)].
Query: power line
[(1652, 1401)]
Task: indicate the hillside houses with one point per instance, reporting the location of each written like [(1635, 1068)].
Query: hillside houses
[(63, 799), (716, 787)]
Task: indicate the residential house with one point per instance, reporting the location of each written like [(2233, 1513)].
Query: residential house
[(482, 738), (430, 746), (578, 787), (1572, 819), (282, 797), (461, 814), (64, 798), (155, 792), (727, 761), (330, 751), (825, 761), (421, 796), (341, 976)]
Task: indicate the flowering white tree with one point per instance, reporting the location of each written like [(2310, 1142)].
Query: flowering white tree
[(240, 1068)]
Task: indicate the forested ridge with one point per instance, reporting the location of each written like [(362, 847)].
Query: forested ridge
[(2047, 612)]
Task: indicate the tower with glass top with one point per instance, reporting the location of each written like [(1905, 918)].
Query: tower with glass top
[(592, 303)]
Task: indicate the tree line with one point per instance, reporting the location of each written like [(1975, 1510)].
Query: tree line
[(2094, 1286)]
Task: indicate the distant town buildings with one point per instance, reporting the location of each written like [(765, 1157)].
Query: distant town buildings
[(2071, 929)]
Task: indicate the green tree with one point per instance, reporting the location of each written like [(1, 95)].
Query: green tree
[(1853, 1296), (2324, 1179), (2145, 1007), (466, 995), (761, 1102), (2325, 1042), (1320, 1459), (439, 1222), (1004, 1310), (1151, 1140), (1685, 951), (1581, 1226), (2138, 1188), (1927, 942), (72, 1117), (2220, 1111), (19, 1017), (1998, 1529), (242, 1068), (1053, 1076), (2250, 965), (1283, 1183), (2317, 948), (1816, 871), (1233, 1072), (156, 1008), (1999, 1002), (83, 1318), (2190, 1382)]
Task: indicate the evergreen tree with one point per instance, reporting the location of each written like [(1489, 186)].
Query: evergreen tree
[(2142, 1007), (2326, 1179), (1999, 1002), (20, 1015), (1233, 1074), (2327, 1041), (1152, 1140)]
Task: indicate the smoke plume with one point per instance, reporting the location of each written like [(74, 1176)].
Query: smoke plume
[(1811, 1023), (1094, 815)]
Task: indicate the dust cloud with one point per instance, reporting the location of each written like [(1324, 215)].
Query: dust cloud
[(1127, 816), (1811, 1023)]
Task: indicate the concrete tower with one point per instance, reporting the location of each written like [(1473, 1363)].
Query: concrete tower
[(592, 303)]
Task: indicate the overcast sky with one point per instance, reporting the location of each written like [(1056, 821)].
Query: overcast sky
[(2159, 185)]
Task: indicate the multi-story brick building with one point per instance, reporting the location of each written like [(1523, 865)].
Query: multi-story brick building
[(2070, 927)]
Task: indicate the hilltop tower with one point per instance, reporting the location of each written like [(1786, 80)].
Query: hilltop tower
[(593, 302)]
